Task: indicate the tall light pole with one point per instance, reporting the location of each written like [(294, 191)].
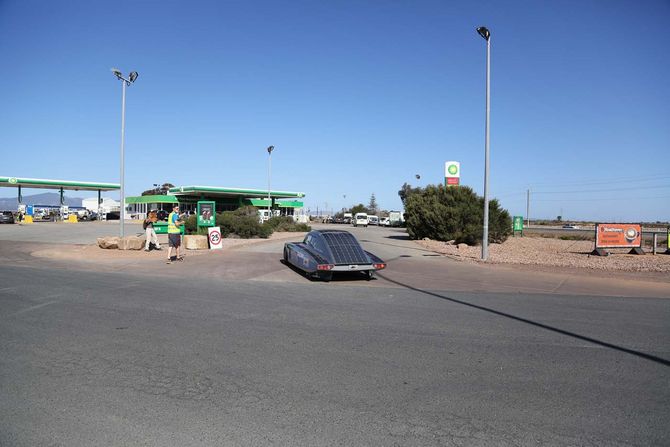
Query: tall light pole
[(270, 149), (124, 82), (486, 34)]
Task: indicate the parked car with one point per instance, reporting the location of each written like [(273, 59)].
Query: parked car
[(571, 227), (324, 252), (360, 219), (162, 215), (384, 222), (6, 217), (373, 220)]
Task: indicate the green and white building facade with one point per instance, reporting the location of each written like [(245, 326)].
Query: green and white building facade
[(285, 203)]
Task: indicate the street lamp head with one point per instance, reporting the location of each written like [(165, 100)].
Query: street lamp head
[(133, 76), (117, 72), (270, 149), (484, 32)]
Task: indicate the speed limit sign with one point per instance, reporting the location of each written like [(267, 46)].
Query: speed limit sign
[(215, 239)]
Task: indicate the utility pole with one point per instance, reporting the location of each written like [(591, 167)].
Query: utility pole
[(528, 207)]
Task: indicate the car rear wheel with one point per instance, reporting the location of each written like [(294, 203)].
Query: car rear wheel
[(326, 276), (369, 274)]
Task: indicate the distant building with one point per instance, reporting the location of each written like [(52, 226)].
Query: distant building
[(107, 206)]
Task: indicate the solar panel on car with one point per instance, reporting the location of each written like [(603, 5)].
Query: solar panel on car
[(345, 248)]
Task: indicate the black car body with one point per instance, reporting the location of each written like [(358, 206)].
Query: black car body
[(6, 217), (324, 252)]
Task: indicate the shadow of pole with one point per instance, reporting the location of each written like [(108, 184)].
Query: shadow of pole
[(640, 354)]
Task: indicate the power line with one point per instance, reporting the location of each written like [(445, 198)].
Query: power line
[(582, 191), (601, 199), (645, 178)]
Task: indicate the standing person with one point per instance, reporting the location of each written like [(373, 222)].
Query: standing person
[(150, 232), (174, 236)]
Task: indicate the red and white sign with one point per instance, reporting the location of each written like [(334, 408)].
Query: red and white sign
[(452, 173), (215, 239), (618, 236)]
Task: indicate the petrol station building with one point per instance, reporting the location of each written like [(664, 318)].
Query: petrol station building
[(284, 203)]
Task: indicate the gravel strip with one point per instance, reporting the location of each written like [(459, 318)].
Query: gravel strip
[(552, 252)]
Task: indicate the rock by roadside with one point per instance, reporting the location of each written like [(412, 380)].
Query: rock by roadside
[(552, 252)]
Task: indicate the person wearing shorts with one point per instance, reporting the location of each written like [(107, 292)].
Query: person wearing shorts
[(174, 235)]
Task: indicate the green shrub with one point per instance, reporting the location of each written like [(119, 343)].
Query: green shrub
[(191, 224), (286, 223), (243, 222), (454, 213)]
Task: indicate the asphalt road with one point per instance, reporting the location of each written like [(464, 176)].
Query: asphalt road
[(176, 358)]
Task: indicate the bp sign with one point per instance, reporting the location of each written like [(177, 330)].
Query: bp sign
[(452, 173), (206, 214)]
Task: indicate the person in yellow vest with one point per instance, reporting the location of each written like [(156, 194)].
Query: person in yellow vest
[(174, 236)]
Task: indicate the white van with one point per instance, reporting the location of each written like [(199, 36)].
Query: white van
[(373, 220), (360, 219)]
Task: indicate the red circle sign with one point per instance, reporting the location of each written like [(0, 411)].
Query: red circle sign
[(215, 237)]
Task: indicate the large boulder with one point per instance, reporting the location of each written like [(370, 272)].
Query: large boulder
[(194, 242), (110, 242), (132, 243)]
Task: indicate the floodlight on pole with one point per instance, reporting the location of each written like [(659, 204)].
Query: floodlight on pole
[(270, 149), (124, 82), (486, 34)]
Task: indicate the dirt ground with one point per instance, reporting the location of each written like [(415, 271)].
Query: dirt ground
[(548, 252), (94, 253)]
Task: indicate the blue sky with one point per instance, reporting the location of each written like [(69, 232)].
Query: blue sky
[(356, 96)]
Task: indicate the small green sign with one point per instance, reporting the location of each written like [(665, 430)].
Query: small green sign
[(453, 169), (518, 224), (206, 214)]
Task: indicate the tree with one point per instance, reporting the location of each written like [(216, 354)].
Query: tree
[(360, 208), (372, 207), (406, 190), (158, 190), (455, 213)]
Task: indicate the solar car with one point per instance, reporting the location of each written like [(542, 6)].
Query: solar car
[(324, 252)]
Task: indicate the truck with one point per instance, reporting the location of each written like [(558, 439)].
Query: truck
[(396, 218)]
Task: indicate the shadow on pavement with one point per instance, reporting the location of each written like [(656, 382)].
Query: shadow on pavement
[(337, 277), (640, 354)]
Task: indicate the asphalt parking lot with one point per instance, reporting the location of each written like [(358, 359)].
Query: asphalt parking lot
[(235, 348)]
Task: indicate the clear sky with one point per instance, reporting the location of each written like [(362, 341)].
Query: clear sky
[(356, 96)]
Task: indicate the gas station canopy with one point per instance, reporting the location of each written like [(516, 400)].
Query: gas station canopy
[(69, 185), (216, 191)]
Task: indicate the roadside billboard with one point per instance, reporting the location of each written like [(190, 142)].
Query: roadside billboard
[(618, 236), (518, 225), (452, 173), (206, 213)]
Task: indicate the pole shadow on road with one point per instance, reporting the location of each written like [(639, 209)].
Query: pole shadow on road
[(640, 354)]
